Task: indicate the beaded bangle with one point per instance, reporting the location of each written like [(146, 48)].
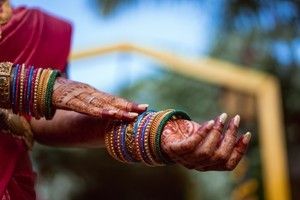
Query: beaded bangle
[(117, 144), (35, 96), (107, 142), (22, 79), (174, 114), (40, 92), (32, 92), (111, 141)]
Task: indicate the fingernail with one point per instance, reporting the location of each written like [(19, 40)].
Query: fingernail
[(143, 106), (247, 138), (131, 114), (210, 123), (112, 112), (223, 118), (236, 120)]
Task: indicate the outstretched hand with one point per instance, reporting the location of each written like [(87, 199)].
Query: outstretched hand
[(82, 98), (205, 147)]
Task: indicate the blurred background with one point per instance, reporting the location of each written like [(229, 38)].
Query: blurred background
[(264, 35)]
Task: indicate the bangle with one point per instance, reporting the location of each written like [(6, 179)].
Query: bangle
[(5, 80), (29, 88), (44, 90), (40, 93), (117, 142), (50, 111), (14, 88), (35, 96), (32, 93), (153, 132), (129, 143), (27, 72), (137, 138), (22, 77), (147, 145), (17, 90), (172, 115)]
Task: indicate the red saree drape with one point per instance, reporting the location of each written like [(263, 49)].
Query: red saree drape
[(39, 39)]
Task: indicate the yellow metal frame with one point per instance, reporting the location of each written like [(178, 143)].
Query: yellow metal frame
[(265, 88)]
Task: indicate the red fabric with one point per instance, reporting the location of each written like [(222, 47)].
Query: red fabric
[(39, 39)]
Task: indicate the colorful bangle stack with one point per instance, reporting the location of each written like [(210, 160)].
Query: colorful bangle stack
[(27, 91), (140, 141)]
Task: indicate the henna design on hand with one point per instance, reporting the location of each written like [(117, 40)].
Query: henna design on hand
[(205, 147), (82, 98)]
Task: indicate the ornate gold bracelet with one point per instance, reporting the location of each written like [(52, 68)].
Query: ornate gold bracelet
[(17, 126), (5, 78)]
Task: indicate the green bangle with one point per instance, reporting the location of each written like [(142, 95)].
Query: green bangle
[(49, 109), (177, 114)]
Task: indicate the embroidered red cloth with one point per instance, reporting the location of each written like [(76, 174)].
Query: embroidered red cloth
[(35, 38)]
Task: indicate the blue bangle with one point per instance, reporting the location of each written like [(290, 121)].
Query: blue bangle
[(142, 139), (14, 92), (29, 84)]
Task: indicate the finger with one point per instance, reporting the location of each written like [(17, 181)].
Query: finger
[(227, 143), (79, 106), (209, 145), (235, 157), (124, 115), (111, 112), (188, 145), (121, 103), (238, 151)]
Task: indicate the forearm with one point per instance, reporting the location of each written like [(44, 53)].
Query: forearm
[(70, 129)]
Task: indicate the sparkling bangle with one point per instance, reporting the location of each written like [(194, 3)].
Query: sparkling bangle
[(5, 80)]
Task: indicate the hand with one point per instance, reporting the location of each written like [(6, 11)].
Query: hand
[(205, 147), (82, 98)]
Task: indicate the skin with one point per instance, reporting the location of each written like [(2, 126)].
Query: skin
[(205, 147), (83, 98), (190, 144), (195, 146)]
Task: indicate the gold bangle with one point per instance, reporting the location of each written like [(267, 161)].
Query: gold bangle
[(153, 132), (129, 141), (147, 141), (35, 95), (22, 78), (44, 90), (5, 78), (40, 93), (107, 142)]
